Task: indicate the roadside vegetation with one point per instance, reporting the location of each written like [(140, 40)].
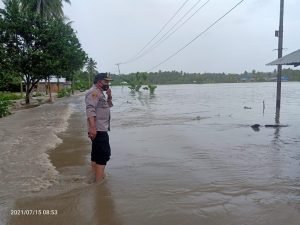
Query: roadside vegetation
[(6, 99), (37, 42)]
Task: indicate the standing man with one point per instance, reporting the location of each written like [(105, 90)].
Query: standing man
[(98, 117)]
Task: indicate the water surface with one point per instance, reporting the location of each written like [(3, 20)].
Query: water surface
[(185, 155)]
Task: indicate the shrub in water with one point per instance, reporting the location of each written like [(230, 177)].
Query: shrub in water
[(152, 88)]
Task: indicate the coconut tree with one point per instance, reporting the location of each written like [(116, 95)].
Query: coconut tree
[(45, 8), (91, 68)]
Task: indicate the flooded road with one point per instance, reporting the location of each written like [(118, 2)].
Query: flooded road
[(187, 155)]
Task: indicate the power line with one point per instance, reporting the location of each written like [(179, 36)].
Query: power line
[(161, 40), (153, 46), (175, 14), (203, 32)]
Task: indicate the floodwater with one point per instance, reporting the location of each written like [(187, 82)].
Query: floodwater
[(185, 155)]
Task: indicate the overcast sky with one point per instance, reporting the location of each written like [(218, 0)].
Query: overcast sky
[(113, 31)]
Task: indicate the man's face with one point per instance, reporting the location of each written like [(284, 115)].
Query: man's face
[(104, 82), (104, 85)]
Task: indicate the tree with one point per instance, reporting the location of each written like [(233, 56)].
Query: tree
[(81, 80), (91, 69), (47, 9), (66, 50), (8, 81), (37, 48)]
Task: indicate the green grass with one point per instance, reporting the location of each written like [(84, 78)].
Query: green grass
[(9, 96), (6, 99)]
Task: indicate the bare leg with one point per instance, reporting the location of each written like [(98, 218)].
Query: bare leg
[(93, 166), (99, 172)]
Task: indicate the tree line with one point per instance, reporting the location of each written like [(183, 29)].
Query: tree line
[(180, 77)]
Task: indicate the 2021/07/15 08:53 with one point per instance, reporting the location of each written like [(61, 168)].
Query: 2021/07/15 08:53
[(33, 212)]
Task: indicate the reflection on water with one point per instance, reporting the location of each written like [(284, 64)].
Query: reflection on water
[(277, 117), (144, 99)]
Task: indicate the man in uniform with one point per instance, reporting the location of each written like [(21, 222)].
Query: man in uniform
[(98, 117)]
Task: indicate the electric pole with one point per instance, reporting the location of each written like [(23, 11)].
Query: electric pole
[(279, 68), (118, 65)]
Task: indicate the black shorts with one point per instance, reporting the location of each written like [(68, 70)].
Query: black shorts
[(100, 148)]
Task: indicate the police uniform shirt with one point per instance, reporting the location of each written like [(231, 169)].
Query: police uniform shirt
[(98, 106)]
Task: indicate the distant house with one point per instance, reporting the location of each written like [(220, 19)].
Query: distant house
[(55, 84), (283, 78), (247, 78)]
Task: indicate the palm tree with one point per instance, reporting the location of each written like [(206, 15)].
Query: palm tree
[(45, 8), (91, 68)]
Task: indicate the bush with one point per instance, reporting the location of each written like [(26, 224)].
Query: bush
[(64, 92), (152, 88), (81, 86), (4, 104), (9, 96)]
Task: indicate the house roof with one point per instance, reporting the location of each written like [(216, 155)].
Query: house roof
[(54, 80), (290, 59)]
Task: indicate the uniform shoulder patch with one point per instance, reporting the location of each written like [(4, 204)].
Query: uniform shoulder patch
[(95, 94)]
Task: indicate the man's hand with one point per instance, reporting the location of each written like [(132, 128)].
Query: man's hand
[(92, 133), (108, 92)]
